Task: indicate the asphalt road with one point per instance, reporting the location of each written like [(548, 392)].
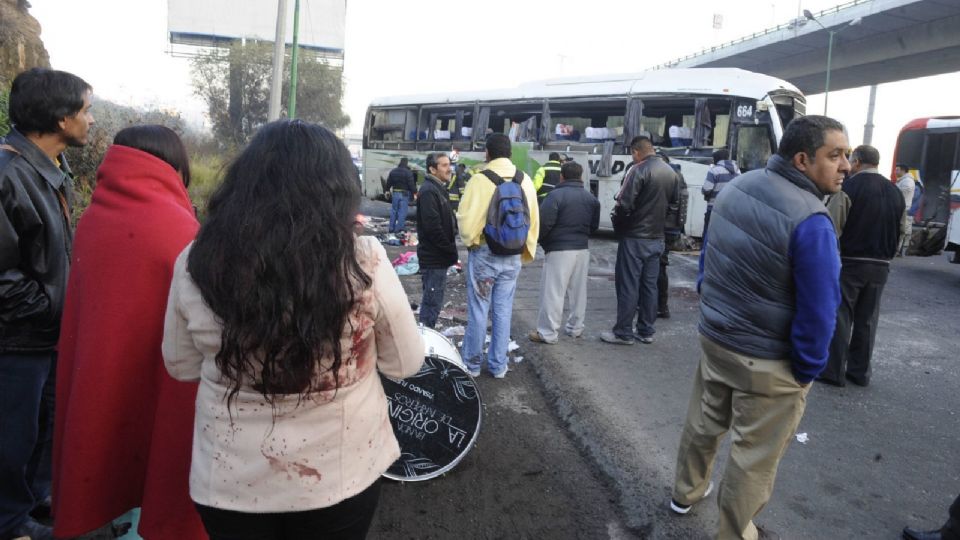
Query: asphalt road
[(876, 458)]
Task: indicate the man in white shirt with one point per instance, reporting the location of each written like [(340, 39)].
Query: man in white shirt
[(907, 185)]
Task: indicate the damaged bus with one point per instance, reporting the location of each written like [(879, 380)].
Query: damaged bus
[(930, 148), (688, 113)]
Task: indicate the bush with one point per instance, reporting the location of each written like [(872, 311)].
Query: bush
[(4, 102), (206, 173)]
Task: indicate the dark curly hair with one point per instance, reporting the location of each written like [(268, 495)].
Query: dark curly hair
[(275, 260)]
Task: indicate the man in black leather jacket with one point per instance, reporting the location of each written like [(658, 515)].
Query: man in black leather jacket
[(639, 217), (437, 248), (49, 110)]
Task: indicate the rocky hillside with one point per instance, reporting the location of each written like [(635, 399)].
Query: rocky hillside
[(20, 44)]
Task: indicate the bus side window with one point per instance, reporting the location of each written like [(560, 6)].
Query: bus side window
[(754, 144)]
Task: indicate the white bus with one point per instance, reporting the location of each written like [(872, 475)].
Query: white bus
[(592, 119)]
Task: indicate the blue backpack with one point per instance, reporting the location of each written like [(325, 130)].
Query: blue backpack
[(508, 216)]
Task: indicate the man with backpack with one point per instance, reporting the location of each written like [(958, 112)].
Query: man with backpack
[(499, 224)]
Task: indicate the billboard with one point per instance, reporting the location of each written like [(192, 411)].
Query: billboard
[(208, 22)]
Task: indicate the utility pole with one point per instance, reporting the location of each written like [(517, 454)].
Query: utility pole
[(868, 127), (279, 44), (292, 107)]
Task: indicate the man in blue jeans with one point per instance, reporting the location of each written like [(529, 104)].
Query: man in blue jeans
[(402, 184), (639, 219), (437, 247), (491, 278), (50, 110)]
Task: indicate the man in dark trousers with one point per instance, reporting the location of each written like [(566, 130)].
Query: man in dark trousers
[(50, 111), (769, 291), (869, 234), (437, 249), (676, 219), (402, 185), (639, 219), (568, 216)]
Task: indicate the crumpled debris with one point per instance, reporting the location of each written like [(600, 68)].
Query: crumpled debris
[(455, 269), (517, 359), (802, 438), (458, 330), (407, 264), (512, 346)]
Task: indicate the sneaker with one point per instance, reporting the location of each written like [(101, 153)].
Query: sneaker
[(536, 337), (610, 337), (503, 373), (474, 372), (646, 340), (577, 335), (682, 509), (663, 313), (33, 530)]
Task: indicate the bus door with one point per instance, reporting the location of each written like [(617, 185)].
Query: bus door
[(751, 135)]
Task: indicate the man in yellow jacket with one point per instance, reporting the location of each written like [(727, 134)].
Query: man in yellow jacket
[(491, 278)]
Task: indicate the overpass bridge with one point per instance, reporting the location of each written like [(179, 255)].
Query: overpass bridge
[(890, 40)]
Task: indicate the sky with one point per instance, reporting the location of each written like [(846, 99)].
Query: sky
[(419, 46)]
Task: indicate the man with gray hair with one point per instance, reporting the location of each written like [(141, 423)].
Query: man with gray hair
[(639, 220), (769, 292), (867, 213)]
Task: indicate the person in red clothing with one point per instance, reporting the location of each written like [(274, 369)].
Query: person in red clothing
[(123, 427)]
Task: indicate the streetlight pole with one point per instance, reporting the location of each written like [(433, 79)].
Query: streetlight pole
[(277, 74), (292, 102), (826, 85)]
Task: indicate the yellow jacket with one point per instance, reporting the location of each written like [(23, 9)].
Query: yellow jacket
[(475, 200)]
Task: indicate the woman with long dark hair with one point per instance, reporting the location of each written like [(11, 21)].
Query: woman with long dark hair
[(123, 427), (285, 316)]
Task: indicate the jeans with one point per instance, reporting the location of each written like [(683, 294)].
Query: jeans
[(399, 202), (434, 280), (491, 282), (348, 519), (27, 391), (638, 265)]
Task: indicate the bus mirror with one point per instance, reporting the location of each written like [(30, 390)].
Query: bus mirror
[(762, 106)]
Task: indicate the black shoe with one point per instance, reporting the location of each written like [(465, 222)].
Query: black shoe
[(913, 534), (33, 530), (831, 382), (663, 313), (42, 510), (857, 380)]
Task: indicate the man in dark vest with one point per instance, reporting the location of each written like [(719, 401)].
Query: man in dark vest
[(548, 176), (868, 213), (769, 290), (437, 249), (50, 111)]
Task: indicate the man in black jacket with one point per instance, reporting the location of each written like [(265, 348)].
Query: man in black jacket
[(50, 110), (639, 217), (568, 216), (402, 185), (437, 249), (675, 220), (868, 213)]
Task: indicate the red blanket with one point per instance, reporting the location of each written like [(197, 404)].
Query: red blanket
[(124, 428)]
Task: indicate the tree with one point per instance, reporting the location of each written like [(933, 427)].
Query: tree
[(235, 84)]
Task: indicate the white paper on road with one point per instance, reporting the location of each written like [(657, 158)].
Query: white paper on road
[(454, 331), (512, 346), (802, 438)]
